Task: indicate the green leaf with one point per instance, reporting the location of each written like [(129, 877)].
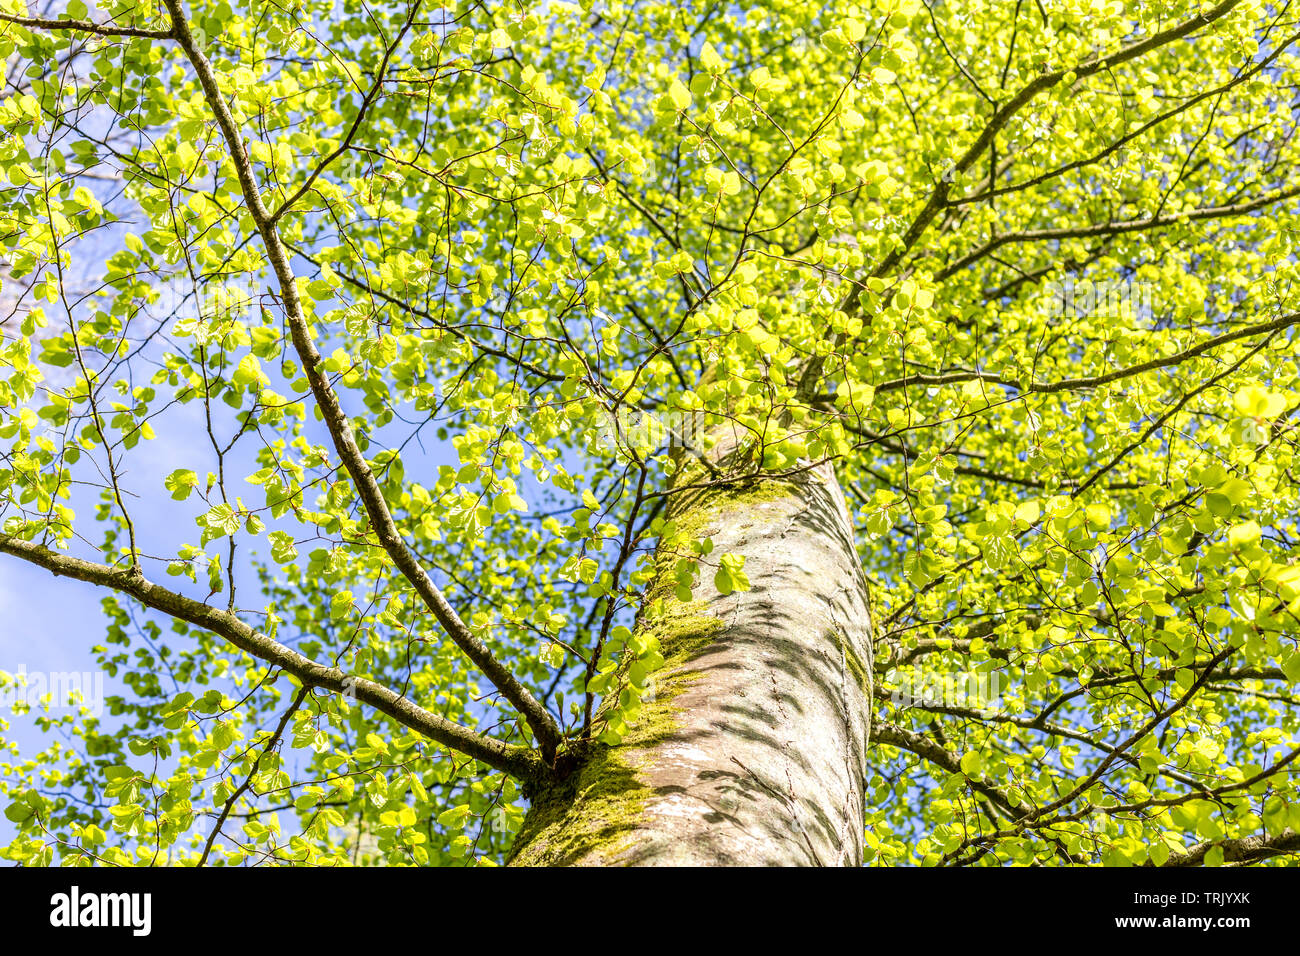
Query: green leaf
[(679, 95), (222, 519), (729, 576), (180, 483), (454, 818), (341, 603)]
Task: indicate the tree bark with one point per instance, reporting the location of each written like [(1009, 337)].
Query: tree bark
[(753, 750)]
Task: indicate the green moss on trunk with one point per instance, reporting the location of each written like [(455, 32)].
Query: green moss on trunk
[(590, 816)]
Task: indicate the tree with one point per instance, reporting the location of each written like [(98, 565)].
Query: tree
[(649, 432)]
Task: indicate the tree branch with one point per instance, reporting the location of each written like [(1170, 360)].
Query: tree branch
[(252, 774), (522, 762), (890, 735), (1250, 849), (85, 26), (1094, 381), (939, 197), (1114, 228), (541, 723)]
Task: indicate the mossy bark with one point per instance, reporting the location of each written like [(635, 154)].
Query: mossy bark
[(753, 750)]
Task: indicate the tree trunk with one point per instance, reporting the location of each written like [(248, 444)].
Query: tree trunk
[(753, 750)]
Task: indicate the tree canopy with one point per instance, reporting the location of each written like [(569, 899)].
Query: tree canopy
[(352, 350)]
